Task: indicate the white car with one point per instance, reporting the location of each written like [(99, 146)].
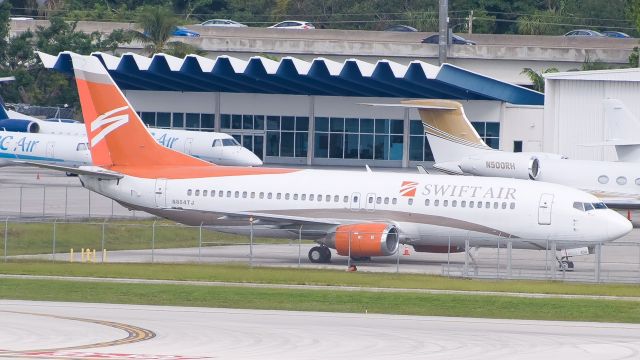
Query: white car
[(291, 24), (222, 23)]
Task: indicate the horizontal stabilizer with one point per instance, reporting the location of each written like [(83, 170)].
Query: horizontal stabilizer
[(92, 171), (612, 143), (451, 168), (411, 106)]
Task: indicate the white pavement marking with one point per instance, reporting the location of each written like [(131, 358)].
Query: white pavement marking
[(186, 333)]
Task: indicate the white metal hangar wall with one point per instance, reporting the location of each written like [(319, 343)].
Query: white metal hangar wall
[(574, 110), (296, 112)]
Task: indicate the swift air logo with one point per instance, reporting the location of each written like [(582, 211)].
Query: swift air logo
[(408, 188), (108, 124)]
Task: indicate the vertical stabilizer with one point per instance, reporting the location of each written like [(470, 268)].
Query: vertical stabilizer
[(117, 136), (450, 134), (3, 110), (623, 130)]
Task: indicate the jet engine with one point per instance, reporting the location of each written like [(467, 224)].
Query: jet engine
[(364, 240), (19, 125), (519, 166)]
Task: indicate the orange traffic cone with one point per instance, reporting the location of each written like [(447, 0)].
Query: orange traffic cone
[(406, 251)]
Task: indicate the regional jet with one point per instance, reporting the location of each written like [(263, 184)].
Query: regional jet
[(359, 214)]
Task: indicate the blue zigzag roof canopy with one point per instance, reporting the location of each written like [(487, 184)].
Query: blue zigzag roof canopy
[(297, 77)]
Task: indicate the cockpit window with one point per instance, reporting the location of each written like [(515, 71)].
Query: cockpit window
[(230, 142), (588, 206), (217, 142), (81, 147), (599, 205), (578, 205)]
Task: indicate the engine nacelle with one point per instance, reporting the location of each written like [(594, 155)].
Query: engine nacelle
[(19, 125), (513, 165), (364, 240)]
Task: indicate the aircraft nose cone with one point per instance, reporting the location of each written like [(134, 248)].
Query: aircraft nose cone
[(618, 226), (250, 159)]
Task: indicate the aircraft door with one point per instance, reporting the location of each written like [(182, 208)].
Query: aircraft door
[(50, 149), (187, 145), (161, 193), (355, 201), (544, 209), (370, 204)]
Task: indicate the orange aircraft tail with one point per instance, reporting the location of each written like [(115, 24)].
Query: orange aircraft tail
[(117, 136)]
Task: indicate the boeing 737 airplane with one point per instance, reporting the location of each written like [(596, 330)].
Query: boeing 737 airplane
[(361, 214), (458, 149), (219, 148)]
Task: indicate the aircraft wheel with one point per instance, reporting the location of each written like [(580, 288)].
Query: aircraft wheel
[(565, 265), (316, 254)]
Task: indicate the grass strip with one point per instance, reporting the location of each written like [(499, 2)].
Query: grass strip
[(270, 275), (324, 300)]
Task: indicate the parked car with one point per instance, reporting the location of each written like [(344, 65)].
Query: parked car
[(584, 32), (222, 23), (455, 39), (399, 27), (293, 24), (615, 34), (181, 31)]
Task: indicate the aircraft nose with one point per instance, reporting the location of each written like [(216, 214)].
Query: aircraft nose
[(249, 158), (618, 226)]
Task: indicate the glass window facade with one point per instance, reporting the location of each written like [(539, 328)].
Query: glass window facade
[(195, 121), (358, 138), (286, 136)]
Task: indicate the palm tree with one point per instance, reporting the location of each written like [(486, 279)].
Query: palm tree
[(158, 24), (536, 78)]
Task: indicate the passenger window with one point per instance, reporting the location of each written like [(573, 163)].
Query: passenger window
[(303, 197), (436, 202), (504, 205), (394, 201), (512, 206), (426, 202), (454, 203), (244, 194), (370, 199), (310, 197), (386, 201), (355, 199), (327, 198), (319, 197), (638, 181), (220, 193), (295, 196), (463, 203), (471, 203), (189, 192), (378, 200), (213, 193), (336, 198), (445, 203), (197, 192), (204, 192), (495, 205), (253, 194), (261, 195), (237, 194), (621, 180), (269, 196), (286, 196), (81, 147), (228, 194), (487, 205), (279, 196), (603, 179), (346, 199), (410, 201)]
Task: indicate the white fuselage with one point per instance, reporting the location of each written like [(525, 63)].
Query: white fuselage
[(444, 210), (218, 148), (55, 149)]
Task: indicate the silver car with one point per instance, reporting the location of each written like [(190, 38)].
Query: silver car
[(222, 23)]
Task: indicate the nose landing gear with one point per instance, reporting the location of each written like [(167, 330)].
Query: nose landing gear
[(320, 254), (564, 264)]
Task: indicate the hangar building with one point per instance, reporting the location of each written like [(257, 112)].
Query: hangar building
[(574, 111), (298, 112)]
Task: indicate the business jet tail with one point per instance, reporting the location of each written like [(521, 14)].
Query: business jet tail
[(117, 136)]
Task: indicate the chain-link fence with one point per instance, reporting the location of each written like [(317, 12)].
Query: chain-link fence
[(61, 202), (166, 242)]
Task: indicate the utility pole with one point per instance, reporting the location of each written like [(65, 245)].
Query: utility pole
[(470, 24), (444, 33)]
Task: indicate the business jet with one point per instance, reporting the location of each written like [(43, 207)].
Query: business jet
[(458, 149), (219, 148), (359, 214), (56, 149)]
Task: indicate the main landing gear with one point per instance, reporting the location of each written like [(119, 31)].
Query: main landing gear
[(564, 264), (320, 254)]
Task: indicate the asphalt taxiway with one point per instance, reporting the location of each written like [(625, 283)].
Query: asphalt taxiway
[(53, 330)]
